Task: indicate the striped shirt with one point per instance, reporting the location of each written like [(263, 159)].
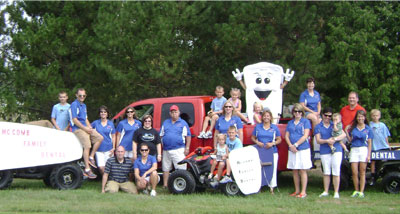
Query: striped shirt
[(118, 172)]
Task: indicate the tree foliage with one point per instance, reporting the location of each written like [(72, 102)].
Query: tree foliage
[(126, 51)]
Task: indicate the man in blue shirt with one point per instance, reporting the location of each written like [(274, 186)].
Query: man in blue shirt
[(83, 130), (175, 136)]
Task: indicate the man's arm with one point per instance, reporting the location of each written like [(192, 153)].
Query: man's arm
[(103, 182), (188, 141)]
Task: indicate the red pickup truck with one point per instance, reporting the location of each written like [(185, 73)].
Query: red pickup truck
[(193, 110)]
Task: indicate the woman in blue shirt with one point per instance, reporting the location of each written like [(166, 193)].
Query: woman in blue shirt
[(311, 102), (267, 135), (360, 135), (106, 128), (145, 168), (299, 160), (125, 130), (331, 162), (226, 120)]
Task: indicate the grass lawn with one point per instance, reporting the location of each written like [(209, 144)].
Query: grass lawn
[(32, 196)]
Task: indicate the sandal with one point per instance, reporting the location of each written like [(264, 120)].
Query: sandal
[(294, 194), (92, 163), (301, 195)]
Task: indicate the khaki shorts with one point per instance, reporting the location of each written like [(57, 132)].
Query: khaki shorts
[(86, 139), (113, 187), (43, 123)]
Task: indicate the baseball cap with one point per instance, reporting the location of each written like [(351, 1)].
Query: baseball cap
[(174, 108)]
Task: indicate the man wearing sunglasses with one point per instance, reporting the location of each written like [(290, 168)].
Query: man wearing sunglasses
[(83, 130)]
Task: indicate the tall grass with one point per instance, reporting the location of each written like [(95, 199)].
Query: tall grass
[(32, 196)]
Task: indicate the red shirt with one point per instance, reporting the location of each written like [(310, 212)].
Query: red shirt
[(349, 114)]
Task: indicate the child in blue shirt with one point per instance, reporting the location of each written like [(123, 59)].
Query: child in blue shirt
[(213, 114), (60, 113)]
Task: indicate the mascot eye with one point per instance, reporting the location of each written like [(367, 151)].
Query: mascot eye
[(258, 80), (267, 80)]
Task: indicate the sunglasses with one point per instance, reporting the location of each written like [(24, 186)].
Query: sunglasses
[(228, 107), (80, 95), (327, 115), (103, 112), (144, 150), (129, 112), (297, 112)]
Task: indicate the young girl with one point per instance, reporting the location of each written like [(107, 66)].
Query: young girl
[(257, 108), (221, 154), (235, 99)]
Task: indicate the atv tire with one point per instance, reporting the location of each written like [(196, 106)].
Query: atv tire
[(391, 182), (181, 182), (6, 178), (67, 176), (230, 189)]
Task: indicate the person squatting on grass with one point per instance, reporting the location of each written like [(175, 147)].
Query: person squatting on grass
[(299, 160), (360, 136), (331, 161), (267, 135), (116, 174), (145, 168)]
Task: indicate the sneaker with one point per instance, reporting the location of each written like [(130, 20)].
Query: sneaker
[(216, 177), (201, 135), (208, 135), (145, 191), (333, 150), (92, 162), (355, 194), (225, 179), (301, 195), (372, 182), (210, 176), (361, 195), (214, 184), (336, 195), (323, 194), (89, 174), (153, 193)]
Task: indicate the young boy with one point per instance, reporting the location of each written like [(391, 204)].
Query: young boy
[(337, 130), (380, 140), (212, 115), (60, 115), (233, 142)]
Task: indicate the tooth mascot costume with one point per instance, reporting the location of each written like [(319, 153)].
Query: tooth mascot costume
[(263, 83)]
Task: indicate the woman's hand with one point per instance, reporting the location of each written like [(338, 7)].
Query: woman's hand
[(269, 145), (292, 148), (260, 144)]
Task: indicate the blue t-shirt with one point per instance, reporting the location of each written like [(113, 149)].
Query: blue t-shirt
[(222, 125), (78, 110), (106, 131), (218, 103), (360, 137), (61, 114), (381, 132), (234, 144), (173, 134), (296, 131), (144, 167), (266, 136), (310, 101), (127, 130), (326, 133)]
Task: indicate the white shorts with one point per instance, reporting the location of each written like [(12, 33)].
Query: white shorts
[(274, 174), (358, 154), (331, 163), (102, 157), (173, 157), (299, 160), (148, 179), (128, 154)]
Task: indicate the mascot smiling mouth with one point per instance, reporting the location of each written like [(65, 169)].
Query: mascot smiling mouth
[(262, 95)]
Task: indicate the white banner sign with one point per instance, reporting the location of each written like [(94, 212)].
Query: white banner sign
[(24, 145)]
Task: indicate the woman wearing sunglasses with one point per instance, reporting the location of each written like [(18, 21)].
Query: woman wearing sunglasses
[(331, 162), (296, 136), (147, 134), (125, 130), (226, 120), (145, 168)]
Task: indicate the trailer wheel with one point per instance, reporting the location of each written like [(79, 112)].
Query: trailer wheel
[(68, 176), (391, 182), (6, 178), (230, 189), (181, 182)]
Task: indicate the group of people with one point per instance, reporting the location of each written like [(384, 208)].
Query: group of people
[(128, 152)]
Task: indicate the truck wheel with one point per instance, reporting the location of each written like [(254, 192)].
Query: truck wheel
[(230, 189), (46, 181), (391, 182), (6, 178), (181, 182), (68, 176)]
